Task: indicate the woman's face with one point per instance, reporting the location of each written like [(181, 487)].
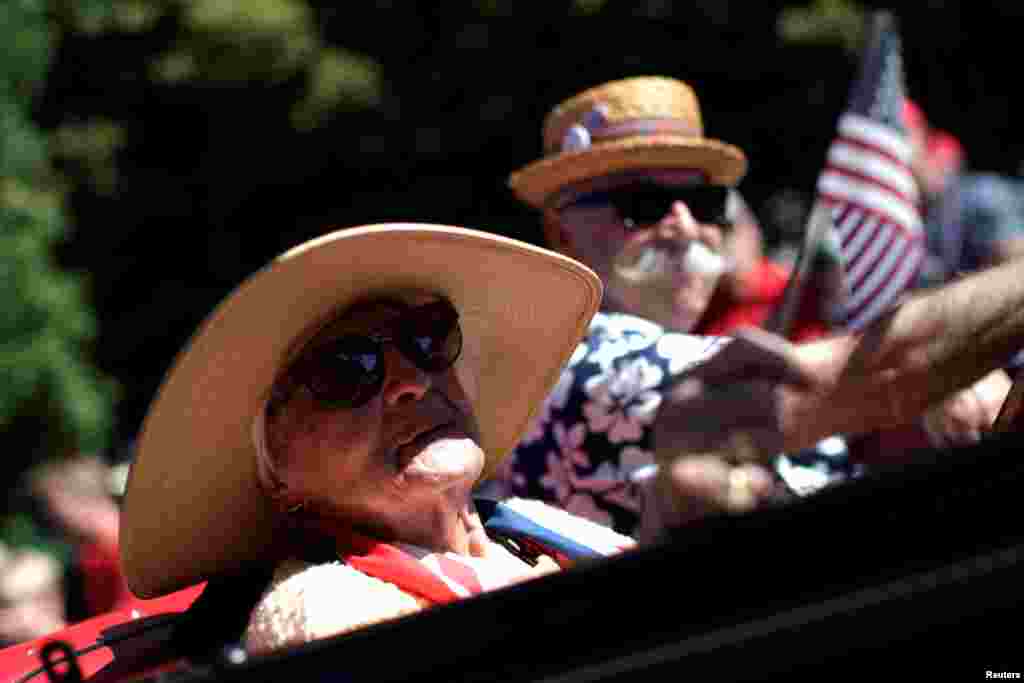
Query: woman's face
[(374, 465)]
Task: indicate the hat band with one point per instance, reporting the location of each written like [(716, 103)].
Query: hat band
[(580, 135), (668, 176), (631, 127)]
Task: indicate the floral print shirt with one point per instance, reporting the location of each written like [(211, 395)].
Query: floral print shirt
[(593, 433)]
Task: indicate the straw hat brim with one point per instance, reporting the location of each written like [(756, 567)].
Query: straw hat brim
[(193, 507), (724, 164)]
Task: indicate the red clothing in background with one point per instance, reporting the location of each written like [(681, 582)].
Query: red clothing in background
[(763, 291), (104, 585)]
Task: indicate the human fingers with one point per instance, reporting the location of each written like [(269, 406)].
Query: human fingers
[(701, 419), (758, 479), (479, 543), (701, 485), (956, 421), (752, 353), (692, 487), (960, 433), (992, 390)]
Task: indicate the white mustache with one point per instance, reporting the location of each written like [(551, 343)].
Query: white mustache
[(653, 261)]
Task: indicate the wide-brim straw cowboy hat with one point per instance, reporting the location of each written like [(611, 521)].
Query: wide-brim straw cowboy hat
[(194, 509), (646, 122)]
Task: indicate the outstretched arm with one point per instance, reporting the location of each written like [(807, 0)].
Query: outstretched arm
[(934, 344), (787, 397), (760, 395)]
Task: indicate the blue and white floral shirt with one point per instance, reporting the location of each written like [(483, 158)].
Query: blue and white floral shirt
[(593, 433)]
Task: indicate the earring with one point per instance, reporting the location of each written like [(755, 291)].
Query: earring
[(297, 508)]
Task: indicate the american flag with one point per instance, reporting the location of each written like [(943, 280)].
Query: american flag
[(868, 186)]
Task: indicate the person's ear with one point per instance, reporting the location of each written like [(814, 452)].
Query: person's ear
[(554, 234)]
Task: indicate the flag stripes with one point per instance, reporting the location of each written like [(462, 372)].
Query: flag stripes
[(873, 196), (888, 291)]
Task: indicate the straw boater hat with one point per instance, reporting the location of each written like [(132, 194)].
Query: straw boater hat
[(193, 507), (642, 122)]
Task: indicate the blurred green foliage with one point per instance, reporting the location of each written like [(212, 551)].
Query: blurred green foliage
[(254, 42), (824, 22), (52, 399), (91, 145), (20, 530)]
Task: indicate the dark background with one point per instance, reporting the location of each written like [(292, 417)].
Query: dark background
[(213, 180)]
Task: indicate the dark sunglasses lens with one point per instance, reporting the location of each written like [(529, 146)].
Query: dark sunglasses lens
[(707, 203), (594, 200), (432, 337), (346, 373), (648, 204), (643, 206)]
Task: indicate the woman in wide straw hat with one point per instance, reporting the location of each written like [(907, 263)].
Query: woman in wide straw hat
[(348, 396)]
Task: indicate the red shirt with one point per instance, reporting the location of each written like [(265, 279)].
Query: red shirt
[(763, 290)]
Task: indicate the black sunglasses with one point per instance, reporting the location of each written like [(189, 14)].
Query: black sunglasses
[(349, 371), (646, 203)]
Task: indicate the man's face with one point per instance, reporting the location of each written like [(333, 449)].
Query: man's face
[(381, 462), (678, 209)]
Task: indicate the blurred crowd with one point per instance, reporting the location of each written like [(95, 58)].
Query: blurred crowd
[(62, 564)]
